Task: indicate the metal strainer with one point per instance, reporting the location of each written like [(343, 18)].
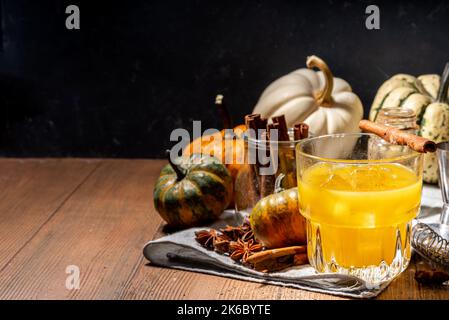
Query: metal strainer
[(432, 240)]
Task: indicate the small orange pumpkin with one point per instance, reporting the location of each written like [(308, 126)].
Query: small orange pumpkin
[(229, 149), (221, 147), (277, 222)]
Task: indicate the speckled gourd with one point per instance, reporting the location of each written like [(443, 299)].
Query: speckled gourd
[(192, 190), (277, 222), (427, 95)]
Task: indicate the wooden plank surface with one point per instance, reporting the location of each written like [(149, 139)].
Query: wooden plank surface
[(406, 288), (97, 215), (31, 192), (100, 229)]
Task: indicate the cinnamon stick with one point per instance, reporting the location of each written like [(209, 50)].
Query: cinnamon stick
[(300, 259), (262, 124), (282, 127), (276, 253), (285, 153), (300, 131), (396, 136), (250, 121), (266, 180), (270, 128), (278, 259), (265, 183), (255, 122)]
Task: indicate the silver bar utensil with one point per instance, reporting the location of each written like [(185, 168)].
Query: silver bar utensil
[(432, 240)]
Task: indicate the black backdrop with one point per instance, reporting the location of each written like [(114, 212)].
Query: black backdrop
[(138, 69)]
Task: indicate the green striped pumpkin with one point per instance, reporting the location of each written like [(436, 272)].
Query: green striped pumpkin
[(192, 191), (428, 99), (276, 220)]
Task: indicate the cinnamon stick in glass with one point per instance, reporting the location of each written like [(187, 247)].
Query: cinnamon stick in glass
[(396, 136), (251, 121), (264, 183), (300, 131), (282, 128), (253, 172), (267, 180), (286, 156), (255, 122)]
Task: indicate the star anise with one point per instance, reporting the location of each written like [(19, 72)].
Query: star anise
[(233, 233), (248, 235), (241, 250), (243, 231), (206, 238), (221, 244), (246, 225)]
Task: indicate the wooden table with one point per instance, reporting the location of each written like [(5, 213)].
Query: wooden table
[(97, 215)]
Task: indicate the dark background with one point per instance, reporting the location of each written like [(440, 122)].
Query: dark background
[(138, 69)]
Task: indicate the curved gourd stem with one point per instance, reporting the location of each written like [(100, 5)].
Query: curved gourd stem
[(180, 174), (224, 113), (323, 97), (278, 183), (444, 85)]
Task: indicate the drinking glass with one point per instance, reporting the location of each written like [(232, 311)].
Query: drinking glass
[(443, 165), (359, 197), (269, 167)]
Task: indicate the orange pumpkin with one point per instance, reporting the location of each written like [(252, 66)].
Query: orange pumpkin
[(276, 220), (229, 149)]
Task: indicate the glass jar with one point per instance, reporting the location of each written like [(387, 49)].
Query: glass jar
[(400, 118), (396, 117), (270, 167)]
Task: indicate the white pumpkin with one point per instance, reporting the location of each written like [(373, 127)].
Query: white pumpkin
[(325, 103)]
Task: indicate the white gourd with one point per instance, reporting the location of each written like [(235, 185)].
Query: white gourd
[(325, 103)]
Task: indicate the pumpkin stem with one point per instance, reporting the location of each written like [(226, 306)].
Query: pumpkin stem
[(224, 112), (323, 97), (444, 85), (278, 183), (180, 174)]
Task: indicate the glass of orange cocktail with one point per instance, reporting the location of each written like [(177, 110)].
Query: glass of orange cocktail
[(359, 195)]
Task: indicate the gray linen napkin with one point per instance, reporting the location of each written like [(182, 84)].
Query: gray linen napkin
[(180, 251)]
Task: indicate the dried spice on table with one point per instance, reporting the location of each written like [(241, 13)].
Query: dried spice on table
[(241, 250), (206, 238), (247, 232), (212, 239), (233, 233), (222, 244), (430, 274), (243, 231), (241, 246), (278, 259), (248, 235)]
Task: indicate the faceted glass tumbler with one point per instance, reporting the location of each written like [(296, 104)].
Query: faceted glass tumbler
[(359, 196)]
